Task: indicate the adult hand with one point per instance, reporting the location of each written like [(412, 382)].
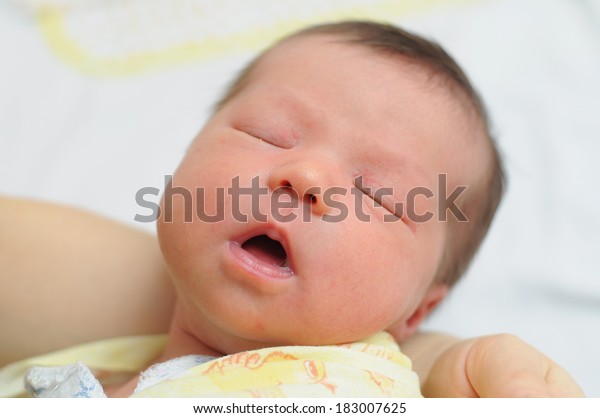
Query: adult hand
[(500, 366)]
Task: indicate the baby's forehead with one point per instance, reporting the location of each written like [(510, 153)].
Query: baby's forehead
[(430, 75), (453, 118), (309, 45)]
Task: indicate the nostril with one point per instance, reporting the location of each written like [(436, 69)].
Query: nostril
[(311, 198)]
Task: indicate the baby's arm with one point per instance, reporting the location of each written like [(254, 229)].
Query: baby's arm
[(492, 366), (68, 277)]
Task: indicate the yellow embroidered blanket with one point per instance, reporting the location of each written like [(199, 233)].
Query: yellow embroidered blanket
[(371, 368), (374, 367)]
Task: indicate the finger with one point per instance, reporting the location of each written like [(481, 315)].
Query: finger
[(447, 377), (515, 369), (502, 366), (521, 384), (561, 384)]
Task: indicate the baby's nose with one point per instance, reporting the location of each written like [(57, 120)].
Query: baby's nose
[(307, 181)]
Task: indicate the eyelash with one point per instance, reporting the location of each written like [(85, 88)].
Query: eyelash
[(262, 139), (255, 136), (377, 201)]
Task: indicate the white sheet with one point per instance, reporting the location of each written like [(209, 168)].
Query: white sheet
[(72, 131)]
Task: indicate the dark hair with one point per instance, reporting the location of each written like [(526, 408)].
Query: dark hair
[(464, 238)]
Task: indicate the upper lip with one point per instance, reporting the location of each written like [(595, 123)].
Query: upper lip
[(274, 232)]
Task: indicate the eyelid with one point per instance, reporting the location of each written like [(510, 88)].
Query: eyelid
[(259, 137), (268, 139), (375, 199), (251, 133)]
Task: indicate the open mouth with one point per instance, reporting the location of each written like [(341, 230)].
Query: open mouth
[(265, 256), (267, 250)]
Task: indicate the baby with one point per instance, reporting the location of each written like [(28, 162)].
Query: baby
[(351, 107), (340, 189)]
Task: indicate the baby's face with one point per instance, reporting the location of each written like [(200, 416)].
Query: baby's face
[(314, 116)]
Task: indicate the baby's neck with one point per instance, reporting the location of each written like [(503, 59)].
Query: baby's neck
[(180, 343)]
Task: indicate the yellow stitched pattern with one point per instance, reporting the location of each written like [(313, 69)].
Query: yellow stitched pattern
[(126, 37), (374, 367)]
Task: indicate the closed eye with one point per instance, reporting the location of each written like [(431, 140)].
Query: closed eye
[(267, 139), (252, 135), (377, 196)]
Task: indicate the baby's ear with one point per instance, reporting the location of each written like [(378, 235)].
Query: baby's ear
[(434, 295)]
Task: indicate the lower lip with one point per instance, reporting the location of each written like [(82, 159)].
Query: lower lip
[(257, 267)]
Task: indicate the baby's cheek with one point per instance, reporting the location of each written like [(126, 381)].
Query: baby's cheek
[(172, 243), (420, 206)]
